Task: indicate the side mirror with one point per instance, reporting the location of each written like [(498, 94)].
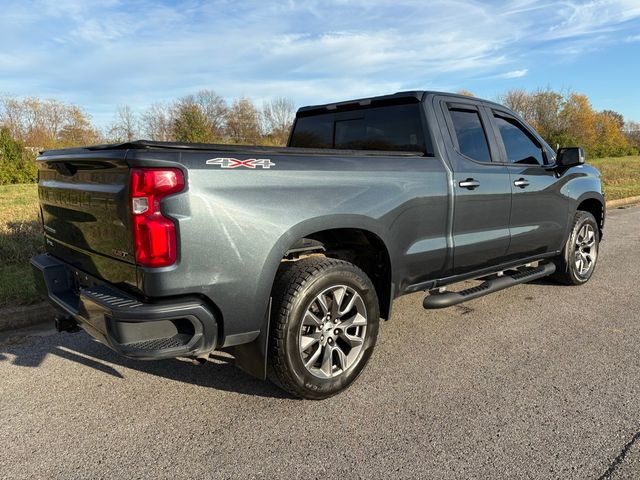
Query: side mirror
[(570, 157)]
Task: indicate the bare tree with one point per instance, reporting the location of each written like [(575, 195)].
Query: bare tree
[(43, 123), (125, 126), (277, 118), (214, 109), (632, 132), (78, 129), (11, 116), (519, 101), (157, 123), (243, 122)]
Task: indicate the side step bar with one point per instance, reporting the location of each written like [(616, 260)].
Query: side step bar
[(491, 285)]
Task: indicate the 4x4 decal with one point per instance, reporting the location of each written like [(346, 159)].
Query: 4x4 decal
[(235, 163)]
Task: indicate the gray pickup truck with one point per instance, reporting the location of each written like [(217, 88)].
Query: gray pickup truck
[(288, 257)]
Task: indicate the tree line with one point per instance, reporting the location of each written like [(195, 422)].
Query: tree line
[(28, 125), (567, 119)]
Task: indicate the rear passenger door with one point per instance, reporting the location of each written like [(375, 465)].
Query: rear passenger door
[(539, 211), (482, 191)]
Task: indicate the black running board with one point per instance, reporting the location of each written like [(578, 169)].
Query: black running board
[(494, 284)]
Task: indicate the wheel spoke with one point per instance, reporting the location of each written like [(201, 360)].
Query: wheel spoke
[(311, 319), (327, 361), (342, 358), (314, 356), (356, 321), (338, 296), (323, 304), (309, 339), (349, 306), (352, 340), (591, 239)]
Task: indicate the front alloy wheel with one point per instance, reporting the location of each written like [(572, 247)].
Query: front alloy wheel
[(578, 259), (586, 249)]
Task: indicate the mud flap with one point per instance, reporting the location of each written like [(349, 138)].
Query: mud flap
[(252, 357)]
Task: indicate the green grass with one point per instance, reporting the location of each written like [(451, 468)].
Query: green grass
[(21, 234), (17, 286), (620, 176), (20, 239)]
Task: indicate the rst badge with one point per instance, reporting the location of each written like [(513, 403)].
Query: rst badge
[(235, 163)]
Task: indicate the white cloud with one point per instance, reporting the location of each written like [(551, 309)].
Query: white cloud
[(512, 74), (114, 52)]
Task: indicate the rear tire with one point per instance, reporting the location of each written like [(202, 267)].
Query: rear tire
[(324, 325), (576, 264)]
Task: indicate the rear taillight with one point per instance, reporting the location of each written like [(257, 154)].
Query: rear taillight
[(154, 235)]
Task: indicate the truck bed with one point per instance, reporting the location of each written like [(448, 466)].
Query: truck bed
[(242, 149)]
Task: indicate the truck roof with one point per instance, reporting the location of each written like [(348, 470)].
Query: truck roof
[(411, 96)]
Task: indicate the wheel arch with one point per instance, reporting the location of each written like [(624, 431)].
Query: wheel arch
[(363, 248), (595, 205), (359, 230), (252, 357)]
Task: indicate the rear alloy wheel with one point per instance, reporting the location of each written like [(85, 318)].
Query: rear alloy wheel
[(333, 331), (325, 319), (578, 260)]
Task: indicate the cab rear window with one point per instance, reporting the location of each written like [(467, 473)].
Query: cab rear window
[(392, 127)]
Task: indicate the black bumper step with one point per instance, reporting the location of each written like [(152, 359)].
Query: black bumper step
[(494, 284), (167, 328)]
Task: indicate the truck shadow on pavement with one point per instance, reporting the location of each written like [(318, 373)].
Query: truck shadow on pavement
[(219, 372)]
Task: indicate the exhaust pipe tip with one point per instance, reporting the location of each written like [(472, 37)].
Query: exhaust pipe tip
[(200, 359)]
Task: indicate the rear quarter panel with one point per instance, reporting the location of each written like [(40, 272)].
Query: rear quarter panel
[(235, 225)]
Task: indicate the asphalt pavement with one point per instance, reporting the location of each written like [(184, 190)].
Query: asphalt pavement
[(537, 381)]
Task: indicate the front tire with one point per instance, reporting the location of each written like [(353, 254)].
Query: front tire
[(324, 325), (576, 264)]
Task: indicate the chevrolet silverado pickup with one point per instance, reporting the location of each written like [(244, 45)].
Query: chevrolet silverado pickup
[(288, 257)]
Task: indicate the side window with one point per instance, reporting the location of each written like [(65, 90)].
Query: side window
[(520, 146), (472, 140), (387, 127)]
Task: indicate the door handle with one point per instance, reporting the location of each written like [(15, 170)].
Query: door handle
[(469, 183), (521, 182)]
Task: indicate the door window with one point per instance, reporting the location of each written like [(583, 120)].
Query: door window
[(520, 146), (470, 134)]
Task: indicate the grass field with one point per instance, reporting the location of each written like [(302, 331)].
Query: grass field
[(21, 236), (620, 176)]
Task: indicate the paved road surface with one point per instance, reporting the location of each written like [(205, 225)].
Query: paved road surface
[(538, 381)]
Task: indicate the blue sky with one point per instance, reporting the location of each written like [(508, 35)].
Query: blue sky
[(101, 54)]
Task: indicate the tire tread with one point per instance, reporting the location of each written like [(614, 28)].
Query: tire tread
[(562, 274), (290, 282)]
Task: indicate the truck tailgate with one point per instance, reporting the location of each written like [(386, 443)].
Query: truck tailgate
[(85, 212)]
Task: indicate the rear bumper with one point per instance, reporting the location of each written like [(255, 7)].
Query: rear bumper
[(164, 329)]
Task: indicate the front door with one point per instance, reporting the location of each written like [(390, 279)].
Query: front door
[(539, 211), (482, 190)]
